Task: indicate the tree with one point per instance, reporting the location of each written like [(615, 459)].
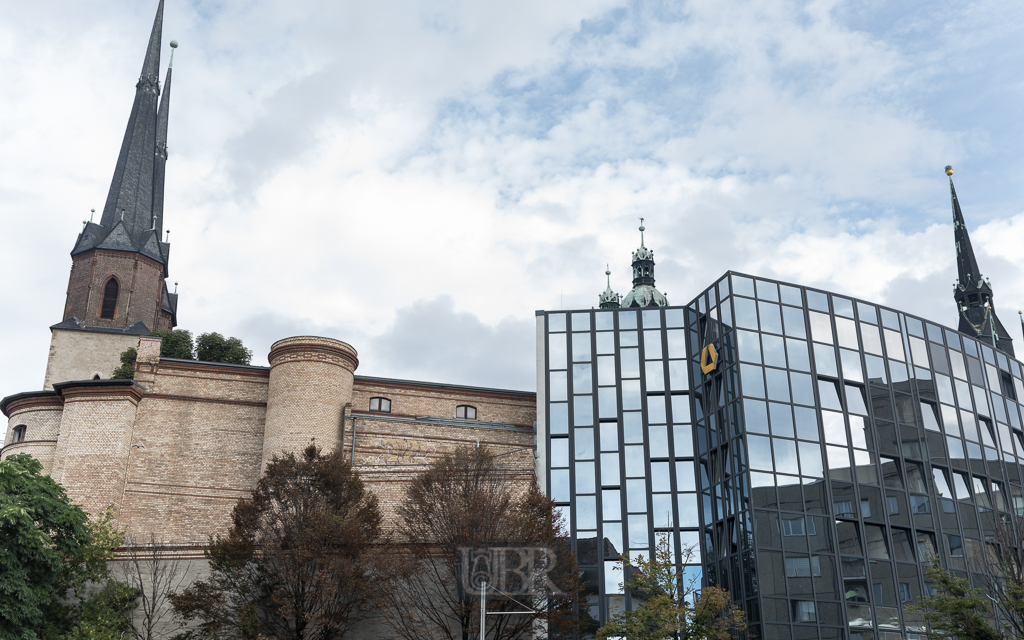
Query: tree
[(670, 606), (213, 347), (49, 552), (175, 344), (155, 578), (299, 559), (955, 608), (127, 369), (461, 505)]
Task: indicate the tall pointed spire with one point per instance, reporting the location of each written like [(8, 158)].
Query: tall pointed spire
[(160, 156), (972, 292), (131, 189)]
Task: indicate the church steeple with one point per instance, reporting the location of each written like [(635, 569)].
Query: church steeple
[(973, 292), (119, 265), (131, 197), (643, 294)]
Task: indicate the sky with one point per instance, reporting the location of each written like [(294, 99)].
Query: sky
[(418, 177)]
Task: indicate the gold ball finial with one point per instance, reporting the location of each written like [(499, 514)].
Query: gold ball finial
[(949, 169)]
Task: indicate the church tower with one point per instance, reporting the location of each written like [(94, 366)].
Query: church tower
[(643, 294), (972, 292), (119, 265)]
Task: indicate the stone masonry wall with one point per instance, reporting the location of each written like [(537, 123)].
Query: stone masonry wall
[(92, 450), (41, 417), (196, 449), (79, 355), (409, 399)]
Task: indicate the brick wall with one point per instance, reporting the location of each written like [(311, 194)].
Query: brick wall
[(41, 417), (140, 295), (79, 355)]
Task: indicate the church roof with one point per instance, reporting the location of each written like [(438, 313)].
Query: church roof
[(132, 218)]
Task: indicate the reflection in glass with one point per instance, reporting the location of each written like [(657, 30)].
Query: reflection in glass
[(655, 370), (658, 441), (859, 432), (782, 419), (559, 418), (559, 452), (580, 347), (630, 395), (605, 370), (606, 342), (806, 422), (607, 402), (632, 427), (582, 411), (660, 480), (560, 485), (682, 440), (612, 576), (846, 333), (684, 475), (838, 462), (611, 504), (610, 469), (627, 320), (825, 360), (584, 441), (687, 503), (834, 426), (756, 416), (586, 512), (746, 313), (636, 495), (777, 384), (894, 345), (810, 459), (582, 378), (629, 360), (821, 327), (851, 365), (749, 346), (785, 455), (557, 386), (635, 467), (794, 319), (656, 409), (661, 509), (556, 322), (638, 536), (828, 391), (798, 357), (676, 343), (585, 481), (652, 345), (771, 318), (759, 452), (849, 541)]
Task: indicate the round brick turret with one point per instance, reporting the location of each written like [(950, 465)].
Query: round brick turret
[(310, 384)]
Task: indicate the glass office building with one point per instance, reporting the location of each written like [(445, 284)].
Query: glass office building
[(816, 450)]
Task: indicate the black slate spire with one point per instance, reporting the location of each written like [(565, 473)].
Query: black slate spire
[(130, 200), (972, 292), (160, 156)]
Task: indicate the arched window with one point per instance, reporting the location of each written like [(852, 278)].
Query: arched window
[(380, 404), (109, 299), (19, 433), (465, 412)]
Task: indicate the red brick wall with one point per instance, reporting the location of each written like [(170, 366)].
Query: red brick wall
[(139, 298)]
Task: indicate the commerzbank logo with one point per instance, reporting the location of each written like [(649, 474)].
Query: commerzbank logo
[(708, 359)]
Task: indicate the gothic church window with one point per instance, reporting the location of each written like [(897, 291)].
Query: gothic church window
[(466, 412), (110, 292), (19, 433), (380, 404)]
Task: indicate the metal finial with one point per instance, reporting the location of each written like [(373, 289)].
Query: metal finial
[(91, 212), (168, 238), (949, 170), (175, 288), (122, 215), (174, 45), (641, 232)]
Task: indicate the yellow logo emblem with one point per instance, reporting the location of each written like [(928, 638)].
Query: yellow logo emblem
[(708, 359)]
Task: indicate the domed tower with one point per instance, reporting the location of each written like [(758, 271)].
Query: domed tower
[(973, 292), (644, 294), (609, 299)]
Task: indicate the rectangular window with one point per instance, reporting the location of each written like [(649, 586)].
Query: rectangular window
[(956, 546), (804, 611), (905, 595)]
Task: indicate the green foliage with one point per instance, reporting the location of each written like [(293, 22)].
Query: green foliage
[(213, 347), (127, 369), (49, 551), (670, 607), (106, 615), (175, 344), (956, 608)]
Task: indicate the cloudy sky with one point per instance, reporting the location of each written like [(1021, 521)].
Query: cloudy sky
[(417, 177)]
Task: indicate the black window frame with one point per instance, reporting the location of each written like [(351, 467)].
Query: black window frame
[(464, 409), (380, 402), (108, 309)]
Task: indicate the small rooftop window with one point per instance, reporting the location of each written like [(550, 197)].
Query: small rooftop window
[(380, 404), (466, 412)]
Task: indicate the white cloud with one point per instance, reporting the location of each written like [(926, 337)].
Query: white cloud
[(361, 169)]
